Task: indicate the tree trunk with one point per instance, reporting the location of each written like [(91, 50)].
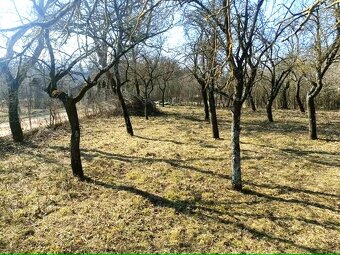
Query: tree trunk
[(72, 114), (126, 116), (205, 103), (212, 107), (163, 97), (146, 107), (137, 87), (236, 178), (252, 103), (285, 97), (269, 109), (111, 81), (311, 117), (298, 98), (13, 114)]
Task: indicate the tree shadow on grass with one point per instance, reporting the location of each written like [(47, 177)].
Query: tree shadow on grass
[(88, 154), (331, 158), (179, 206), (291, 201), (287, 189), (190, 207), (192, 117), (265, 126), (8, 148), (286, 128), (160, 140), (329, 139), (207, 211)]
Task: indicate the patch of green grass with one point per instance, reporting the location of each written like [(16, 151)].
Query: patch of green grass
[(167, 189)]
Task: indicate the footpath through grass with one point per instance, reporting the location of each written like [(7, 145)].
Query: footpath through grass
[(168, 188)]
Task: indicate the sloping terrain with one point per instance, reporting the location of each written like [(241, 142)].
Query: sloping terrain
[(168, 188)]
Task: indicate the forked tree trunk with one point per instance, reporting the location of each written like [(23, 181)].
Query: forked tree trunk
[(298, 98), (269, 110), (236, 177), (212, 107), (13, 114), (126, 115), (72, 114), (205, 103), (311, 117)]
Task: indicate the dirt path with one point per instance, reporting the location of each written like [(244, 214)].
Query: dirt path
[(36, 122)]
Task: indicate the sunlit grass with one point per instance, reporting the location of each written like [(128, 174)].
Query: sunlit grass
[(168, 190)]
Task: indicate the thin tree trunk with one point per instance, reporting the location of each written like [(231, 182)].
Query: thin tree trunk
[(285, 97), (135, 77), (236, 177), (298, 98), (146, 107), (311, 117), (205, 103), (269, 109), (163, 97), (137, 87), (72, 114), (252, 103), (111, 81), (126, 116), (13, 114), (212, 107)]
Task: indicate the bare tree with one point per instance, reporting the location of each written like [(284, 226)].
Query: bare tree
[(167, 68), (15, 65), (117, 28), (205, 65), (323, 28), (197, 67), (61, 30), (247, 36), (278, 69), (298, 80), (148, 73)]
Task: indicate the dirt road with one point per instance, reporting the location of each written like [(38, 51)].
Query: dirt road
[(36, 122)]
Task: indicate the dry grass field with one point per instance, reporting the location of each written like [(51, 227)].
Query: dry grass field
[(168, 188)]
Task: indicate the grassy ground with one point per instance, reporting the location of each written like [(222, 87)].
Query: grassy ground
[(168, 190)]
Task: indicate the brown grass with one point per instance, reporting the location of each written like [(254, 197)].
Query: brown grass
[(168, 190)]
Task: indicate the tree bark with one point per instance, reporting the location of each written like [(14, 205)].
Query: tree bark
[(285, 97), (126, 115), (13, 114), (236, 178), (311, 117), (146, 106), (269, 110), (137, 87), (298, 98), (72, 114), (205, 102), (212, 107), (163, 97), (252, 103)]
